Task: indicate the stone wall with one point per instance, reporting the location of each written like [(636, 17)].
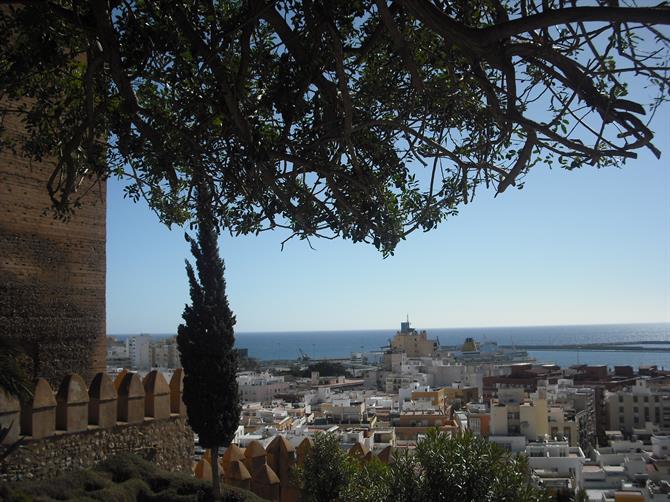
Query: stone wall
[(80, 426), (168, 443), (52, 272)]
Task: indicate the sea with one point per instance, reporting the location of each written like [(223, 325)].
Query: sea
[(340, 344)]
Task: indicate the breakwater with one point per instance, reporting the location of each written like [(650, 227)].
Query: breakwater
[(637, 346)]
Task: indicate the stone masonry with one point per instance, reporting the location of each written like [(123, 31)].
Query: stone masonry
[(52, 272), (168, 443)]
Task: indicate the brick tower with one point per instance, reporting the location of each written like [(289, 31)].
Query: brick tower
[(52, 273)]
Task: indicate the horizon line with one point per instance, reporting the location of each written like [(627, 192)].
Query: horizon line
[(421, 328)]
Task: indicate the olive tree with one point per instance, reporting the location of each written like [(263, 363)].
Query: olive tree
[(365, 119)]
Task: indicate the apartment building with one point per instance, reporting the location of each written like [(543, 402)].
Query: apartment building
[(164, 353), (557, 465), (260, 387), (117, 353), (648, 400), (139, 351), (578, 404), (479, 419), (343, 410), (514, 414)]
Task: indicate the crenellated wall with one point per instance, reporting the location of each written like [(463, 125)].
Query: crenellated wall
[(168, 443), (52, 272), (267, 471), (80, 426)]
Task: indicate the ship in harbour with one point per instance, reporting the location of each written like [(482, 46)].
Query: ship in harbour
[(487, 351)]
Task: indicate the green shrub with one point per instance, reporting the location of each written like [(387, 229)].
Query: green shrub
[(327, 470), (122, 478), (124, 466), (127, 491), (441, 469), (74, 486)]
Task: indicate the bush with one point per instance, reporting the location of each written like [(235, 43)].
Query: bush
[(442, 468), (126, 466), (467, 467), (122, 478), (327, 470)]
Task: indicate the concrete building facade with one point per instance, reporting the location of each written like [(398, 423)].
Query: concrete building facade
[(512, 414), (631, 408), (139, 351), (260, 387)]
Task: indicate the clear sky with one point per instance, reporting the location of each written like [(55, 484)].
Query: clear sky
[(581, 247)]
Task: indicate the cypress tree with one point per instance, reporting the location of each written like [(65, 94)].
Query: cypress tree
[(206, 340)]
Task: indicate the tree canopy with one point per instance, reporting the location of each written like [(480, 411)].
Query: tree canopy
[(441, 468), (366, 119)]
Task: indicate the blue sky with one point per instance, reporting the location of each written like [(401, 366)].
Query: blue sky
[(581, 247)]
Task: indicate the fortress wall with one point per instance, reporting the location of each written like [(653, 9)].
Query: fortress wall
[(168, 443), (79, 426)]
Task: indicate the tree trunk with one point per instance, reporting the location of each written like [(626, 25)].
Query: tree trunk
[(216, 482)]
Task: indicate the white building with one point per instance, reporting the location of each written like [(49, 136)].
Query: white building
[(557, 464), (164, 353), (139, 351), (344, 410), (260, 387), (117, 354)]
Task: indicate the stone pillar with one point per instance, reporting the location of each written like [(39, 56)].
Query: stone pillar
[(38, 416), (265, 483), (360, 452), (10, 417), (157, 395), (386, 455), (102, 401), (130, 401), (72, 404), (119, 378), (281, 459), (303, 449), (203, 470), (176, 392), (232, 453), (236, 474), (255, 456)]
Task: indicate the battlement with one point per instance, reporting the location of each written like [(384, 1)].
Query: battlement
[(266, 471), (79, 426)]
